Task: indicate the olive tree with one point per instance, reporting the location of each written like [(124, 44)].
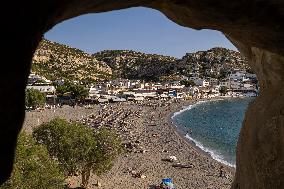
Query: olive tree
[(77, 92), (78, 148), (223, 90), (34, 98), (187, 83), (33, 167)]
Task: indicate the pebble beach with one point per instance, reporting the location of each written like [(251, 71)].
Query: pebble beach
[(150, 140)]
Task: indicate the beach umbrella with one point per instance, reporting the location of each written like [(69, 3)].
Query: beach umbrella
[(168, 183)]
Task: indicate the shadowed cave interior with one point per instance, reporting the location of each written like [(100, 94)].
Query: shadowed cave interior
[(255, 27)]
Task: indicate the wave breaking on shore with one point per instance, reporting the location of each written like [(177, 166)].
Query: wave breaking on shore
[(215, 155), (187, 108), (212, 153)]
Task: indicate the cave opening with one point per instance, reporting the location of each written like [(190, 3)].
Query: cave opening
[(259, 162), (141, 32)]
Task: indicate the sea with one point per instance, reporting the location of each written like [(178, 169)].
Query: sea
[(214, 126)]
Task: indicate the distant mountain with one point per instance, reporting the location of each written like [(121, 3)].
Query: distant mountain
[(215, 62), (136, 65), (54, 61)]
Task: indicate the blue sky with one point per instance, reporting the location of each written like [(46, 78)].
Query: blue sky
[(139, 29)]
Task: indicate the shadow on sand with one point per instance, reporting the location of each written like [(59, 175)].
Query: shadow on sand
[(66, 187), (152, 186)]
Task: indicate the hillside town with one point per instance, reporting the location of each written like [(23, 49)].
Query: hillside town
[(126, 75), (56, 61), (236, 84)]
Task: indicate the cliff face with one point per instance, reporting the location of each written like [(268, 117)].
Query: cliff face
[(214, 57), (137, 65), (260, 151), (55, 61), (216, 62), (256, 27)]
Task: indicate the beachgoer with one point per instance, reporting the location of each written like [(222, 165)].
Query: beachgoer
[(162, 186), (221, 172)]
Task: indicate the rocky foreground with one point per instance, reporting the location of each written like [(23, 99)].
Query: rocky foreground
[(150, 140)]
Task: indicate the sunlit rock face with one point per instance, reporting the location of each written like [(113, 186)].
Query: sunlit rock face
[(260, 151), (254, 26)]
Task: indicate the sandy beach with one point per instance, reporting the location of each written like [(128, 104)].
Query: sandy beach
[(150, 139)]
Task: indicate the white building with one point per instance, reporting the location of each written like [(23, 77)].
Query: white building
[(239, 75), (235, 84), (140, 85), (195, 74), (34, 78), (194, 78), (201, 82), (248, 86), (231, 84), (213, 82), (225, 84), (94, 92), (43, 89), (122, 83), (193, 91), (100, 86), (251, 76), (59, 81)]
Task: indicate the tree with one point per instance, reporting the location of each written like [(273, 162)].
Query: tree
[(62, 89), (223, 74), (223, 90), (187, 83), (40, 81), (33, 167), (78, 92), (78, 148), (249, 70), (34, 98)]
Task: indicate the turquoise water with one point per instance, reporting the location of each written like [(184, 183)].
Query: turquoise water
[(214, 126)]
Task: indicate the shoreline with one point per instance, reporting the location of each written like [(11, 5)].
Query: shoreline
[(181, 133), (152, 139)]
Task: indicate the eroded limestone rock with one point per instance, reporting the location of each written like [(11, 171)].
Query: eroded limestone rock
[(260, 152)]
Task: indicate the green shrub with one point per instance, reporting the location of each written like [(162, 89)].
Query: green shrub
[(34, 98), (223, 90), (33, 167), (78, 148), (187, 83), (78, 92)]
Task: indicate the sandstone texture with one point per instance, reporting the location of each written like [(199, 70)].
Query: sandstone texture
[(256, 27)]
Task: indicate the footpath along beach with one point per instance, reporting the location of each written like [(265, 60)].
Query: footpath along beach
[(150, 139)]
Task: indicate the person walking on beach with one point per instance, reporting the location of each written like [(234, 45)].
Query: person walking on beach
[(189, 132), (221, 172)]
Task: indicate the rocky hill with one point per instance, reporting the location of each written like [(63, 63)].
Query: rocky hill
[(215, 63), (136, 65), (54, 61)]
